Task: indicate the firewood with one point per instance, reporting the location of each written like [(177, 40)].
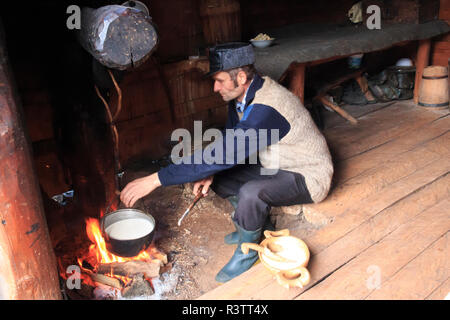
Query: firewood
[(109, 281), (101, 278), (129, 268), (162, 257)]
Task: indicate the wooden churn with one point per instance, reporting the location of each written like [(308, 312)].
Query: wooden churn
[(221, 20), (434, 88)]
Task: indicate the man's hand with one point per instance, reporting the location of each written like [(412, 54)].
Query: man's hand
[(139, 188), (205, 183)]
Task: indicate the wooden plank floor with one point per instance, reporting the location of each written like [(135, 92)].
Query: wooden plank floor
[(385, 224)]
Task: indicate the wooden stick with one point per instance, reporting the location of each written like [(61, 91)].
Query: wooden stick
[(342, 112), (113, 127), (362, 82), (101, 278), (119, 97), (109, 281)]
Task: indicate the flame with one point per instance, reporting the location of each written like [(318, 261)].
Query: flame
[(98, 254), (98, 247)]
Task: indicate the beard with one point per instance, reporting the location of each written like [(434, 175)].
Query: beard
[(232, 94)]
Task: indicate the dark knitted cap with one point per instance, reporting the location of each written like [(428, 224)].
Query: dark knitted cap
[(229, 56)]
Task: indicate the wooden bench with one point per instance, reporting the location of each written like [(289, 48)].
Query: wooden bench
[(300, 46)]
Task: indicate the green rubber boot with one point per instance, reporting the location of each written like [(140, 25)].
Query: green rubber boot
[(233, 237), (240, 262)]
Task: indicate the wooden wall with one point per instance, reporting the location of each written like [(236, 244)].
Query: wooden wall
[(441, 46), (179, 28), (146, 122), (259, 15)]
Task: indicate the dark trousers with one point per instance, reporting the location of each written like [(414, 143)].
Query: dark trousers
[(258, 193)]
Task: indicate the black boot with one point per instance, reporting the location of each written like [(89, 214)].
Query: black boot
[(240, 262)]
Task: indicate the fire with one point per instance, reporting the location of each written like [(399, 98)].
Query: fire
[(98, 247), (92, 263), (98, 254)]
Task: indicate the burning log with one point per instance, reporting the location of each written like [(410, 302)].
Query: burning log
[(150, 269), (118, 37), (109, 281)]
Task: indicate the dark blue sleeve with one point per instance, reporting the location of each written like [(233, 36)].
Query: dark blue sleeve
[(232, 118), (254, 132)]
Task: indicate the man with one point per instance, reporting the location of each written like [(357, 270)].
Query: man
[(294, 164)]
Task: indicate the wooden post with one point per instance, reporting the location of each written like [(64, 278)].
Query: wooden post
[(83, 133), (422, 60), (297, 80), (27, 261)]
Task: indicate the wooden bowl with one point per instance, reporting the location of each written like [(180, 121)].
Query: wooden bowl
[(284, 256)]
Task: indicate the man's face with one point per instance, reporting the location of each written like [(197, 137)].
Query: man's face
[(224, 85)]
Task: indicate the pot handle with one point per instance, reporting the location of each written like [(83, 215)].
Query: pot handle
[(246, 246), (284, 278), (263, 250), (279, 233)]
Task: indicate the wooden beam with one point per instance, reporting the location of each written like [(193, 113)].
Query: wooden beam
[(422, 61), (28, 264)]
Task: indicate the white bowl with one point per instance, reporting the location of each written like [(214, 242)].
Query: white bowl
[(261, 43)]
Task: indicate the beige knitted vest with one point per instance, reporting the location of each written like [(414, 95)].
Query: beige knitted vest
[(304, 149)]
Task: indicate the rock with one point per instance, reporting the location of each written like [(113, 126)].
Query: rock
[(138, 287)]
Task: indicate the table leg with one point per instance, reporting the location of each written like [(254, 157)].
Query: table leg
[(362, 82), (297, 80), (422, 60)]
